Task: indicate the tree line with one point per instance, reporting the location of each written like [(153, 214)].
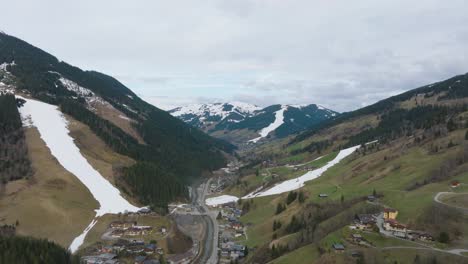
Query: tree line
[(16, 249), (14, 160)]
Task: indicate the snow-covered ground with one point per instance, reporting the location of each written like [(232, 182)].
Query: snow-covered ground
[(216, 109), (288, 185), (78, 241), (223, 199), (53, 129), (279, 120)]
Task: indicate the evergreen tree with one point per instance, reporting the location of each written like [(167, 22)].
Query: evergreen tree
[(280, 208)]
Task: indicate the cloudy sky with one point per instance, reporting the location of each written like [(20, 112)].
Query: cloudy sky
[(341, 54)]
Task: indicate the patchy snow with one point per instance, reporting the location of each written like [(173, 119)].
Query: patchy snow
[(125, 118), (372, 142), (298, 105), (78, 241), (297, 183), (90, 97), (53, 129), (279, 120), (216, 109), (288, 185), (74, 87), (223, 199), (3, 66), (129, 109)]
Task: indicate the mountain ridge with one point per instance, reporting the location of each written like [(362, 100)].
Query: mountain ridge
[(221, 119)]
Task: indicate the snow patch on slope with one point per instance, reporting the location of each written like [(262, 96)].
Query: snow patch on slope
[(217, 109), (279, 120), (288, 185), (223, 199), (53, 129)]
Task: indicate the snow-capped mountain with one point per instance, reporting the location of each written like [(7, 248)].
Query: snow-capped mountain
[(241, 122), (206, 115)]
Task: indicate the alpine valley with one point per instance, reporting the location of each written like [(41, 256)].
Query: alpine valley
[(91, 173)]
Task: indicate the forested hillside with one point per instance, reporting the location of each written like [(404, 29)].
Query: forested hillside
[(452, 91), (169, 144), (16, 249), (14, 161), (413, 149)]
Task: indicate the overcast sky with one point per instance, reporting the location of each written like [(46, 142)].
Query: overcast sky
[(341, 54)]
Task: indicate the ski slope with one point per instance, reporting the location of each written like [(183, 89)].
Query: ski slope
[(53, 129), (279, 120), (223, 199), (286, 186)]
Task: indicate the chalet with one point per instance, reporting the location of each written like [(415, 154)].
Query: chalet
[(323, 195), (224, 253), (117, 233), (337, 247), (426, 237), (357, 238), (144, 211), (371, 198), (237, 226), (135, 242), (151, 261), (118, 247), (138, 231), (364, 221), (238, 247), (234, 255), (400, 234), (150, 249), (239, 233), (455, 184), (140, 259), (160, 251), (390, 213), (103, 258), (393, 225), (122, 224), (107, 249), (135, 249)]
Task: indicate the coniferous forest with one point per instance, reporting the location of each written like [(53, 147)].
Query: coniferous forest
[(171, 147), (17, 249), (14, 161)]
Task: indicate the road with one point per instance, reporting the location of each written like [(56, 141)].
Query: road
[(380, 222), (438, 196), (209, 252)]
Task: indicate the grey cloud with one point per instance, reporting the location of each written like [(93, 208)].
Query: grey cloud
[(342, 54)]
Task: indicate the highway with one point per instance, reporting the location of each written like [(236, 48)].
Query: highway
[(209, 253)]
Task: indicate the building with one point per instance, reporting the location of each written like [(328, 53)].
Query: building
[(339, 248), (455, 184), (364, 221), (390, 213), (323, 195), (117, 233), (237, 226), (394, 226), (138, 231), (122, 224), (100, 259), (357, 238), (144, 211)]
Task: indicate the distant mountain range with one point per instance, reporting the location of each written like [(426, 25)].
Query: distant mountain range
[(241, 122)]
